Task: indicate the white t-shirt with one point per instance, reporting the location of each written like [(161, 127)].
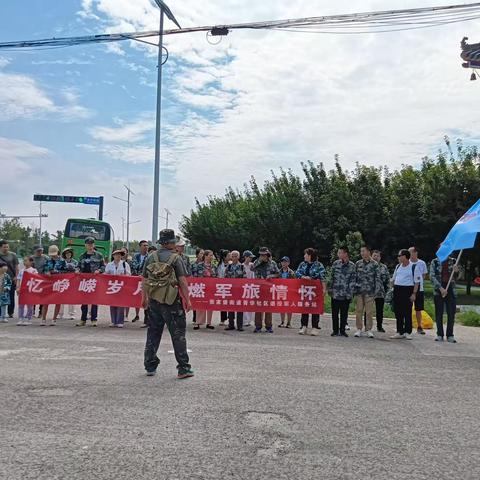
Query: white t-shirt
[(21, 272), (421, 267), (403, 276)]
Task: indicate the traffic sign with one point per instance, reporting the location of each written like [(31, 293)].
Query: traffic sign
[(67, 199)]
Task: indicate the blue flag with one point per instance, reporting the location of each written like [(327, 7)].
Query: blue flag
[(463, 234)]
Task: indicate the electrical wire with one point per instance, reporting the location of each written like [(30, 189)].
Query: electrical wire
[(355, 23)]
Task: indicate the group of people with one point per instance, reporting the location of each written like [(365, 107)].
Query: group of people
[(56, 262), (368, 282)]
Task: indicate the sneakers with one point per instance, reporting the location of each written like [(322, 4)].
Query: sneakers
[(380, 329), (185, 374), (135, 319), (438, 338), (370, 334), (343, 334), (302, 331), (334, 334), (94, 323), (281, 325), (151, 373), (420, 331), (195, 327), (269, 330), (210, 327), (144, 326), (398, 336), (119, 325), (347, 327), (4, 320), (451, 340), (20, 322), (408, 336), (53, 323), (358, 333), (81, 323), (43, 323), (288, 325), (258, 330), (315, 332)]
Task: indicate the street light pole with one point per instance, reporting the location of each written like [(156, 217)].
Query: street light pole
[(168, 212), (164, 10), (158, 124), (40, 232), (127, 201)]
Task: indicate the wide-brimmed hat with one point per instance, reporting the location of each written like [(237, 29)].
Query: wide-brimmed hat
[(65, 250), (264, 251), (180, 242), (53, 250), (118, 250), (167, 236)]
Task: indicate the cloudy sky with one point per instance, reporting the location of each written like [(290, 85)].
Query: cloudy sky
[(80, 120)]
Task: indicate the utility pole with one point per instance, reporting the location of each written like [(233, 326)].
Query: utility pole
[(40, 231), (168, 212), (128, 202), (164, 10)]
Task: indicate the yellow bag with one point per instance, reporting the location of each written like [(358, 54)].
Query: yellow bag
[(427, 322)]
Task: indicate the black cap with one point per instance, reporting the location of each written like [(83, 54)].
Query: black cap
[(167, 236), (264, 251), (89, 240), (37, 247)]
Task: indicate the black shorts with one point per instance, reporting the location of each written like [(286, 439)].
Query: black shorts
[(420, 302)]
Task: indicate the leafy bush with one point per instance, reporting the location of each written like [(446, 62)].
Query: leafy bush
[(469, 319)]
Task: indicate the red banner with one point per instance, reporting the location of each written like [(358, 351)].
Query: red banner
[(236, 295), (248, 295), (81, 289)]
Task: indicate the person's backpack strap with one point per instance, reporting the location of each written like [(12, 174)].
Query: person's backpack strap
[(172, 259)]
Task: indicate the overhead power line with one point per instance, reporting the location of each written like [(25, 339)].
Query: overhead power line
[(354, 23)]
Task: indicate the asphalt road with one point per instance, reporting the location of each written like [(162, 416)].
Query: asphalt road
[(75, 404)]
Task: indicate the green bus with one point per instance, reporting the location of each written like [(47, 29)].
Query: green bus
[(78, 229)]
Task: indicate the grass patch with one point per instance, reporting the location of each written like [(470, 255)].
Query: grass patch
[(469, 319)]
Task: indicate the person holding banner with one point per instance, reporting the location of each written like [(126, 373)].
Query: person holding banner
[(164, 279), (235, 269), (311, 269), (440, 275), (286, 273), (90, 261), (248, 258), (51, 268), (117, 267), (264, 267), (204, 269)]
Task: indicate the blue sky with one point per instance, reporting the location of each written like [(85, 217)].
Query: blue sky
[(80, 120)]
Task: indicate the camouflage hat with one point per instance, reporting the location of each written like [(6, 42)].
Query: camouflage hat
[(89, 240), (264, 251), (167, 236)]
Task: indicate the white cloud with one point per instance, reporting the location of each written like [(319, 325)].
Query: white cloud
[(135, 154), (131, 132), (16, 157), (21, 97), (4, 62)]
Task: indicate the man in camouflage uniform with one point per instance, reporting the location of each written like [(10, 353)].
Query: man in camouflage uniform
[(440, 273), (185, 259), (163, 313), (341, 287), (385, 285), (264, 267), (235, 269), (367, 287), (90, 261), (138, 261)]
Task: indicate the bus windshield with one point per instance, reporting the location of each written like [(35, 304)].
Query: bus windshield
[(76, 229)]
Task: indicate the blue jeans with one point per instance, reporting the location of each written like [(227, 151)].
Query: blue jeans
[(449, 303), (117, 315), (174, 317)]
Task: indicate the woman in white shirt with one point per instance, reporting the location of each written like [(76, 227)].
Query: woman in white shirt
[(248, 256), (406, 282), (118, 266)]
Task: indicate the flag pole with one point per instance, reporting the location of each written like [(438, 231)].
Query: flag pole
[(453, 271)]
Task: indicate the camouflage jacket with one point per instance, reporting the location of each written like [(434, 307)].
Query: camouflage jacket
[(53, 265), (265, 269), (288, 274), (368, 281), (90, 264), (435, 273), (385, 280), (62, 266), (7, 286), (198, 270), (137, 263), (317, 271), (235, 271), (341, 280)]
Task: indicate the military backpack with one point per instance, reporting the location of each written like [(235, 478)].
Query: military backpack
[(161, 283)]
